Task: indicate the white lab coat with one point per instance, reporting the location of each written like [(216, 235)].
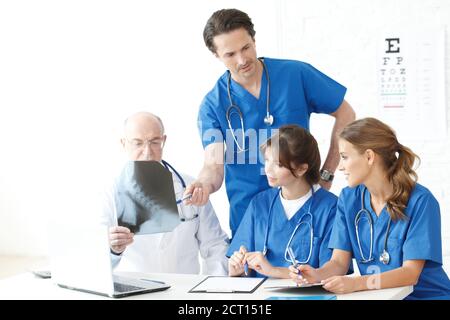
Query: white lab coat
[(176, 251)]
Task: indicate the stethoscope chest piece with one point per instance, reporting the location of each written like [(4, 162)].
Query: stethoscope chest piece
[(268, 119), (385, 257)]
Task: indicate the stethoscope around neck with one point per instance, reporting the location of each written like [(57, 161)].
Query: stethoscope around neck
[(384, 256), (232, 108), (297, 226), (183, 184)]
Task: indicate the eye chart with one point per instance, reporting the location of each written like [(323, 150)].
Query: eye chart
[(411, 82)]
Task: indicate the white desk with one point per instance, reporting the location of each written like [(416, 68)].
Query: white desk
[(27, 286)]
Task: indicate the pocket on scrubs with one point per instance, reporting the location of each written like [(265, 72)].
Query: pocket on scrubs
[(394, 248), (302, 247)]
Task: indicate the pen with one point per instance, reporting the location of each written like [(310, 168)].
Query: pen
[(185, 198), (246, 269), (293, 260), (243, 251)]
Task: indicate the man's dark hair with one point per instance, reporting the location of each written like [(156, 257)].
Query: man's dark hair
[(224, 21)]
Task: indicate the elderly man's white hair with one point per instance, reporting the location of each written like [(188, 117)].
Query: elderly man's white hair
[(145, 114)]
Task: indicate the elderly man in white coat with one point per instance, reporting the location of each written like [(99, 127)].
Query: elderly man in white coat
[(169, 252)]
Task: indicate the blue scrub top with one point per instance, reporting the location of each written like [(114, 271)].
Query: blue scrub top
[(417, 238), (252, 230), (296, 90)]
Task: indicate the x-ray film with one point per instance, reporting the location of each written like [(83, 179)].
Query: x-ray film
[(145, 198)]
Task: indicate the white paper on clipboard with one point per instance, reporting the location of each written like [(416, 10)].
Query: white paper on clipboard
[(213, 284)]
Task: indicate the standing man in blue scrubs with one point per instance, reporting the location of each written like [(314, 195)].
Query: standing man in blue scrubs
[(251, 99), (385, 220)]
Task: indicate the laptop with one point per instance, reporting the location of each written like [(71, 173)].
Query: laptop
[(80, 260)]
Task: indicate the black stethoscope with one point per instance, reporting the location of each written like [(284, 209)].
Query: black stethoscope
[(183, 184), (268, 119), (288, 251), (384, 257)]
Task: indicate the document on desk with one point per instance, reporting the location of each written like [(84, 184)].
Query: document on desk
[(216, 284), (289, 284)]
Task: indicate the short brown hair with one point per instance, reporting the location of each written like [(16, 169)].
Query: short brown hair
[(224, 21), (296, 146)]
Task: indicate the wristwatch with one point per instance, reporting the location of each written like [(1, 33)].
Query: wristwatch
[(326, 175)]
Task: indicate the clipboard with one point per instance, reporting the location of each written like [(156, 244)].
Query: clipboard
[(222, 284), (309, 285), (289, 284)]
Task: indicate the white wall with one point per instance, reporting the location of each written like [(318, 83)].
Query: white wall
[(70, 72), (340, 38)]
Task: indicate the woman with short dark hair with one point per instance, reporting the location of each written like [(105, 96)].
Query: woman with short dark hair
[(291, 222)]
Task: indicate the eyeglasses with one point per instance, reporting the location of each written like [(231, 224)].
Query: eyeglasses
[(154, 144)]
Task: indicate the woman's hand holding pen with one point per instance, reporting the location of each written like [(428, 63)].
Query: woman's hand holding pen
[(237, 263), (303, 274), (258, 262)]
